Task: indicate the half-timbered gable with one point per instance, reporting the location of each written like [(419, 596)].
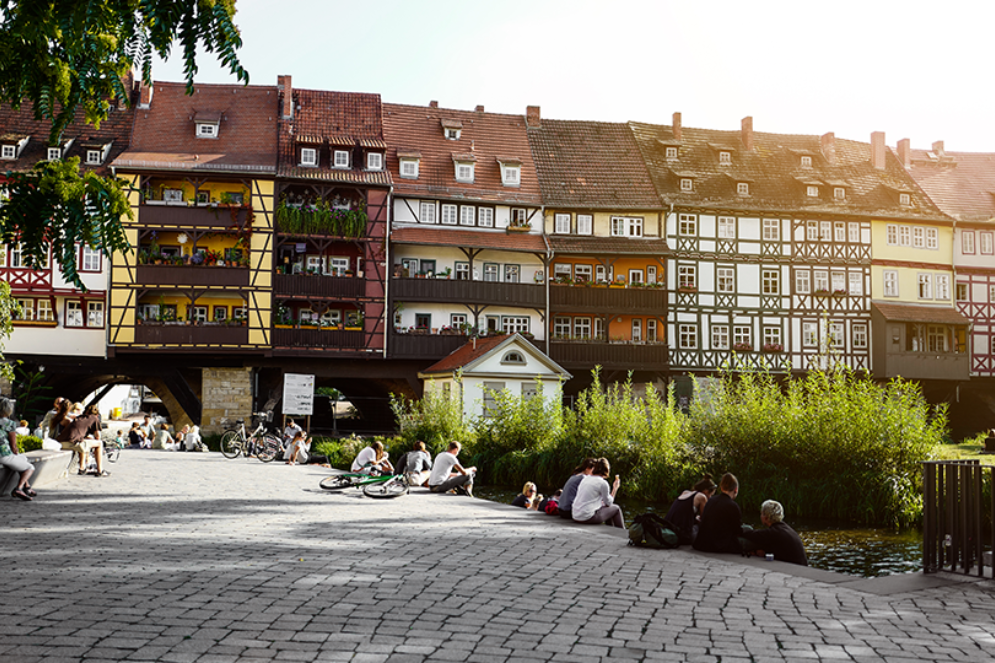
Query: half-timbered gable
[(331, 224), (962, 184), (608, 269), (199, 276), (467, 251), (56, 317)]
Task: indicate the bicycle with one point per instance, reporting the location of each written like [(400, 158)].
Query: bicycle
[(261, 442), (384, 486), (111, 453)]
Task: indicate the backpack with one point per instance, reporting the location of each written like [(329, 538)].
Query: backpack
[(552, 507), (651, 531)]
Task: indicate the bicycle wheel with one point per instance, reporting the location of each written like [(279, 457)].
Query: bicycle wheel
[(340, 481), (268, 448), (231, 444), (112, 453), (386, 489), (73, 466)]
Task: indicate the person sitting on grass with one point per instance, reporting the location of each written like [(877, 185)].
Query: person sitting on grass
[(373, 460), (10, 457), (595, 503), (447, 474), (778, 538), (721, 520), (528, 499)]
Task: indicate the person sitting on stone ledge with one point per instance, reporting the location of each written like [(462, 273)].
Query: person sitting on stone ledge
[(777, 538), (9, 454), (82, 435), (721, 520)]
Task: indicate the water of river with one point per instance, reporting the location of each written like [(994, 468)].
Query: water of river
[(867, 552)]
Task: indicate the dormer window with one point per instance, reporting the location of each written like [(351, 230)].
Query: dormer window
[(511, 171), (687, 184), (904, 199), (54, 153), (207, 124), (743, 188), (513, 357), (812, 191), (374, 161), (309, 156), (464, 164), (671, 153), (451, 129), (341, 159), (725, 158), (94, 157), (409, 168), (806, 162), (839, 193), (11, 145), (8, 152), (207, 130)]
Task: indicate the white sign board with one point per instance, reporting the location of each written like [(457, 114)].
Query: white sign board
[(298, 394)]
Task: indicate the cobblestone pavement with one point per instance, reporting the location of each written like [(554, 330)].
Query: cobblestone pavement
[(191, 557)]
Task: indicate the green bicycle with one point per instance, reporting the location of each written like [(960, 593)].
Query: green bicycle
[(384, 486)]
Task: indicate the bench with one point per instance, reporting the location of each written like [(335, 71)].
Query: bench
[(50, 466)]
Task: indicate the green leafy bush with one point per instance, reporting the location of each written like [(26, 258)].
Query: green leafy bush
[(26, 443)]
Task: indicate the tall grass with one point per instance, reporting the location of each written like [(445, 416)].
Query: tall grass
[(831, 444)]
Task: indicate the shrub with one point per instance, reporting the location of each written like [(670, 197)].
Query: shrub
[(26, 443)]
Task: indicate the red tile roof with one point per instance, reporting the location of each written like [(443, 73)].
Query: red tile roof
[(962, 184), (164, 133), (591, 165), (326, 119), (478, 239), (486, 135), (777, 180), (116, 129), (913, 313), (463, 355)]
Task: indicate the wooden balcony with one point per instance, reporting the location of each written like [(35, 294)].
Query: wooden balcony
[(423, 346), (191, 335), (615, 356), (594, 299), (188, 216), (308, 285), (319, 339), (185, 275), (477, 292), (927, 366)]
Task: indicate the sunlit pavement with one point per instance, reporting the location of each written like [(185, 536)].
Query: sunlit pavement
[(191, 557)]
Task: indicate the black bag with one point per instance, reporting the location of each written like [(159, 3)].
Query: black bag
[(651, 531)]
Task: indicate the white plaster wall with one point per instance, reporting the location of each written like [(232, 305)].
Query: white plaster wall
[(57, 341)]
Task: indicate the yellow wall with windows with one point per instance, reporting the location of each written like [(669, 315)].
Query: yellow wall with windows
[(908, 284), (881, 250), (213, 190), (602, 226)]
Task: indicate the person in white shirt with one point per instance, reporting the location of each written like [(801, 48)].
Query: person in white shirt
[(594, 504), (299, 449), (291, 430), (448, 474), (373, 460)]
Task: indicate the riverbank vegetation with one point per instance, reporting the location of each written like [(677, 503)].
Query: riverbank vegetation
[(829, 444)]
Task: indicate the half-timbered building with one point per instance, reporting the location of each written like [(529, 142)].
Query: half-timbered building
[(467, 252), (331, 225), (55, 317), (608, 258)]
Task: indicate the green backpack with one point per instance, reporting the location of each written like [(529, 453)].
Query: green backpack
[(651, 531)]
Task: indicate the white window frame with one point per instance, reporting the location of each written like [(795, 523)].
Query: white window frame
[(583, 272), (826, 231), (839, 232), (919, 237), (967, 242), (637, 330), (742, 334), (309, 157), (74, 314), (837, 335), (859, 334), (725, 279), (855, 281), (511, 175), (90, 260), (720, 337), (904, 199), (987, 243), (853, 230), (374, 161), (467, 215), (687, 336), (904, 236), (207, 130), (725, 158), (925, 283), (426, 212), (485, 217), (43, 310), (582, 327), (562, 326), (651, 330), (771, 280), (942, 285), (54, 153), (820, 280), (340, 159), (585, 224), (627, 226), (687, 184), (464, 171), (651, 274), (94, 313), (561, 224), (8, 152), (94, 157), (812, 191), (810, 334), (492, 272), (671, 153), (743, 188), (891, 234), (772, 336), (839, 193), (726, 227), (449, 214), (687, 225), (408, 169), (803, 282), (511, 324), (772, 230), (812, 231), (890, 279), (837, 281), (961, 290), (687, 276), (806, 162)]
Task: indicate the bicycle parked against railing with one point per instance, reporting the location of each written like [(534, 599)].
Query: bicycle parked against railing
[(261, 443), (377, 486)]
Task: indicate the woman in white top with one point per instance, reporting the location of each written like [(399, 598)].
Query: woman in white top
[(373, 459), (299, 449), (594, 503)]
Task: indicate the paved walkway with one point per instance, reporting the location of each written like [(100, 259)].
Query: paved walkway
[(191, 557)]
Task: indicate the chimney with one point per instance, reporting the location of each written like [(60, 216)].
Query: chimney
[(532, 117), (938, 148), (747, 133), (145, 94), (905, 152), (287, 112), (828, 142), (678, 129), (128, 83), (877, 149), (479, 108), (433, 104)]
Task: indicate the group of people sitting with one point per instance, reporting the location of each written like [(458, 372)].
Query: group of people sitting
[(146, 435), (444, 474), (709, 522)]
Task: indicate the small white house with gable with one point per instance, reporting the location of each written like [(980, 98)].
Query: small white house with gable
[(486, 365)]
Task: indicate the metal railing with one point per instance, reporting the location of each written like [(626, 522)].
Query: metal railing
[(957, 517)]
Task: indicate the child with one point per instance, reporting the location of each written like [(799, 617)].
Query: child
[(119, 440), (551, 505)]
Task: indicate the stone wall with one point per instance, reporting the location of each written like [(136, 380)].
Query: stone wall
[(226, 395)]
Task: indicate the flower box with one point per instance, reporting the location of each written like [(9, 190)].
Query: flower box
[(742, 347)]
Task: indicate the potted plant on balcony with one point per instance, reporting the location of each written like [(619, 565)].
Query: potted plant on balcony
[(839, 292), (687, 288), (773, 347), (822, 292), (742, 347)]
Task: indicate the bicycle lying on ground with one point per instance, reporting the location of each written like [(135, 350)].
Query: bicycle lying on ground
[(384, 486), (261, 443)]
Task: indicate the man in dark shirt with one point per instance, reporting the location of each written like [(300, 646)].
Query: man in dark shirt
[(778, 538), (721, 520)]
